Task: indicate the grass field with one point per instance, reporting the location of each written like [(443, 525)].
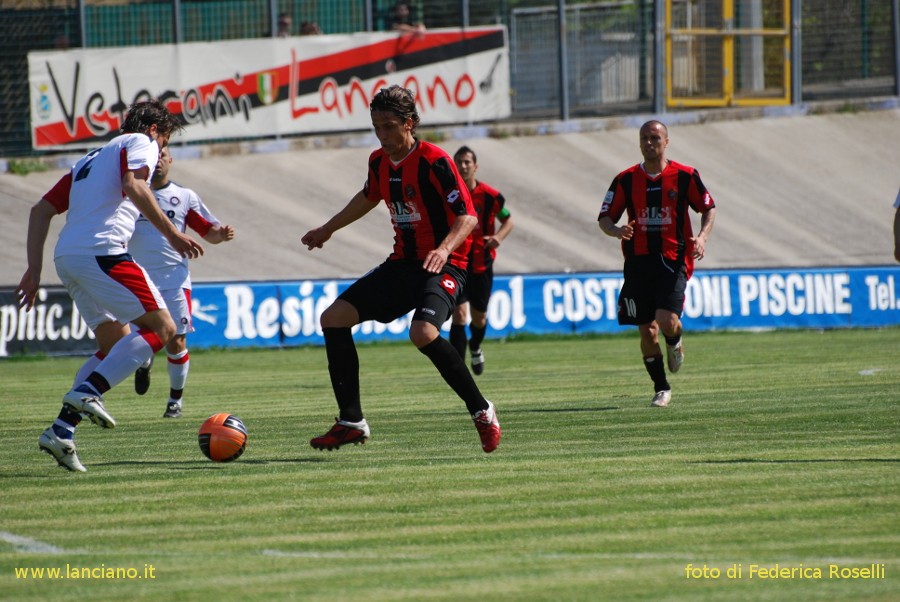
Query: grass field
[(781, 451)]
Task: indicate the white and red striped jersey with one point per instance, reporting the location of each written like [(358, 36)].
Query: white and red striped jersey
[(166, 267), (100, 217)]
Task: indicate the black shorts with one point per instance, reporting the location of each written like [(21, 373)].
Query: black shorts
[(651, 282), (478, 290), (397, 286)]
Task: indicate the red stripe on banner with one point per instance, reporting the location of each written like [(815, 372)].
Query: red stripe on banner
[(55, 134), (58, 133), (381, 51), (132, 277)]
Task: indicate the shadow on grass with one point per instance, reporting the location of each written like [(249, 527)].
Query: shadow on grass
[(819, 461), (564, 410), (190, 465), (207, 465), (503, 411)]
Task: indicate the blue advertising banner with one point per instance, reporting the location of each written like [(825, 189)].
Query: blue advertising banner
[(285, 314)]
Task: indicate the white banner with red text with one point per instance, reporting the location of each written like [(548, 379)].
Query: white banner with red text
[(268, 87)]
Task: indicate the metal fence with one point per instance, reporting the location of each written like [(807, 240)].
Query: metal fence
[(606, 49), (608, 58)]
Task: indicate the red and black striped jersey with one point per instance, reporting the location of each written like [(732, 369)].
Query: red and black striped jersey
[(425, 194), (489, 206), (658, 206)]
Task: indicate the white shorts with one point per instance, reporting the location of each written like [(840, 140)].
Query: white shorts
[(178, 300), (108, 287)]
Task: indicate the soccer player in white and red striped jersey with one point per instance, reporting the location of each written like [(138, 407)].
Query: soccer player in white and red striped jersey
[(433, 219), (170, 271), (103, 195)]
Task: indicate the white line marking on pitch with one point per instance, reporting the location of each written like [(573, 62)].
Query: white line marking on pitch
[(28, 545)]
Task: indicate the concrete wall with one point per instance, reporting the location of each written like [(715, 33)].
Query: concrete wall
[(807, 186)]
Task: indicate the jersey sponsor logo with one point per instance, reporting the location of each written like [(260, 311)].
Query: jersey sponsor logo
[(404, 212), (410, 191), (707, 200), (672, 194), (453, 196), (174, 200), (654, 218)]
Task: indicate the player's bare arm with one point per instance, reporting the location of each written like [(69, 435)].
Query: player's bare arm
[(358, 207), (506, 226), (139, 192), (706, 225), (462, 227), (621, 232), (38, 226), (219, 234)]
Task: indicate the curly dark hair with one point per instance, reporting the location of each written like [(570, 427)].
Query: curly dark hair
[(141, 115), (397, 100)]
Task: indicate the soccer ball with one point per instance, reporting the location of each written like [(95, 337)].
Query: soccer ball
[(222, 437)]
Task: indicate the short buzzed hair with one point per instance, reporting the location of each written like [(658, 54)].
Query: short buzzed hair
[(654, 122)]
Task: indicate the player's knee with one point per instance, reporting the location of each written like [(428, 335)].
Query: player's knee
[(166, 330), (669, 323), (339, 314), (422, 333)]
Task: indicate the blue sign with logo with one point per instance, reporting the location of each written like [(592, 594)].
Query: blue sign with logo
[(287, 313), (282, 314)]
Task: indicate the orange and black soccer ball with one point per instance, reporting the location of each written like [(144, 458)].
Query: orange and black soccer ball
[(223, 437)]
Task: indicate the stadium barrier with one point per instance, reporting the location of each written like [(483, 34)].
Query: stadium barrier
[(286, 313)]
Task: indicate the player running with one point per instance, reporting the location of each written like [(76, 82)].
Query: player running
[(490, 206), (659, 248)]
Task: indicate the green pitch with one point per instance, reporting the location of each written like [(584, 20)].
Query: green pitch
[(774, 475)]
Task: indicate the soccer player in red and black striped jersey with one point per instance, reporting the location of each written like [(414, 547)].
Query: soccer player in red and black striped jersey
[(659, 248), (490, 206), (433, 218)]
